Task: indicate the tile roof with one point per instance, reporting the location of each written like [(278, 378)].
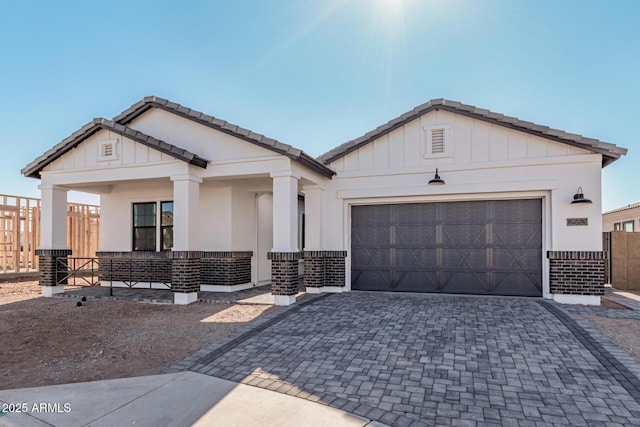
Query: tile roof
[(610, 152), (33, 169), (220, 125)]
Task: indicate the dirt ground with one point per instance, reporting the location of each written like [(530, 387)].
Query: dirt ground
[(46, 341)]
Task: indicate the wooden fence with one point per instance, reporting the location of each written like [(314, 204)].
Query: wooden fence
[(20, 232)]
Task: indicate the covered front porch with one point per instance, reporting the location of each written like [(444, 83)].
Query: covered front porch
[(186, 234)]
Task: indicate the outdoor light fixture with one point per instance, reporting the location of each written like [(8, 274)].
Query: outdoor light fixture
[(579, 197), (436, 179)]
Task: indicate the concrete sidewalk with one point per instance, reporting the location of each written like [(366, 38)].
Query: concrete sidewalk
[(179, 399)]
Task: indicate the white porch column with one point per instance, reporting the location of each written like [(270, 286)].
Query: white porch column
[(314, 217), (53, 238), (186, 214), (285, 253), (285, 211), (53, 221), (185, 263)]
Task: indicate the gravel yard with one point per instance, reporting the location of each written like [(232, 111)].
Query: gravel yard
[(624, 332), (48, 341)]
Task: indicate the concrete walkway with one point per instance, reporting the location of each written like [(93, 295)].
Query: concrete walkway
[(628, 299), (179, 399)]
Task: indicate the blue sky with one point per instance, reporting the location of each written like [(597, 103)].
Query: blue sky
[(315, 73)]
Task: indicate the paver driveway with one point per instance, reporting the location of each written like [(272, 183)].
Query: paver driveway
[(434, 359)]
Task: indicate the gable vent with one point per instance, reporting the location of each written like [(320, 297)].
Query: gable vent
[(437, 141), (107, 150)]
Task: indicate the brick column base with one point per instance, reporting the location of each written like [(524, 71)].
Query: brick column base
[(185, 276), (284, 276), (324, 268), (576, 272), (50, 261)]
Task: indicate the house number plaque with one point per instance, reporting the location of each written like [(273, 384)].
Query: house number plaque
[(577, 221)]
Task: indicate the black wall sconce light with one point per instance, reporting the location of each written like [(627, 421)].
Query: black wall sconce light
[(579, 197), (436, 179)]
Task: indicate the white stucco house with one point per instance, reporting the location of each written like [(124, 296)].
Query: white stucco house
[(445, 198)]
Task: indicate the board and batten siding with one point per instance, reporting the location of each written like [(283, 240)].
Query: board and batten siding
[(473, 142), (86, 155)]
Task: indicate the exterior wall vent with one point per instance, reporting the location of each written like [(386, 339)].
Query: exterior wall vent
[(108, 150), (438, 141)]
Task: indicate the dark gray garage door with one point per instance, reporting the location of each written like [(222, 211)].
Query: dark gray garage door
[(479, 247)]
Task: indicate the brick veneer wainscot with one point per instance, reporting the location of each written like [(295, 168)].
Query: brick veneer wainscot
[(324, 268), (214, 267), (48, 259), (284, 272), (137, 266), (225, 268), (576, 272)]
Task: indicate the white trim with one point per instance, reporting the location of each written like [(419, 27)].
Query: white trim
[(447, 141), (49, 291), (346, 233), (102, 146), (254, 258), (226, 288), (449, 190), (325, 289), (313, 187), (577, 299), (185, 299), (284, 299), (120, 173), (333, 289), (46, 186), (139, 285), (186, 177), (245, 160), (466, 167), (284, 173), (547, 243)]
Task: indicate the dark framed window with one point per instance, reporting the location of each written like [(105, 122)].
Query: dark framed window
[(144, 226), (166, 225)]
